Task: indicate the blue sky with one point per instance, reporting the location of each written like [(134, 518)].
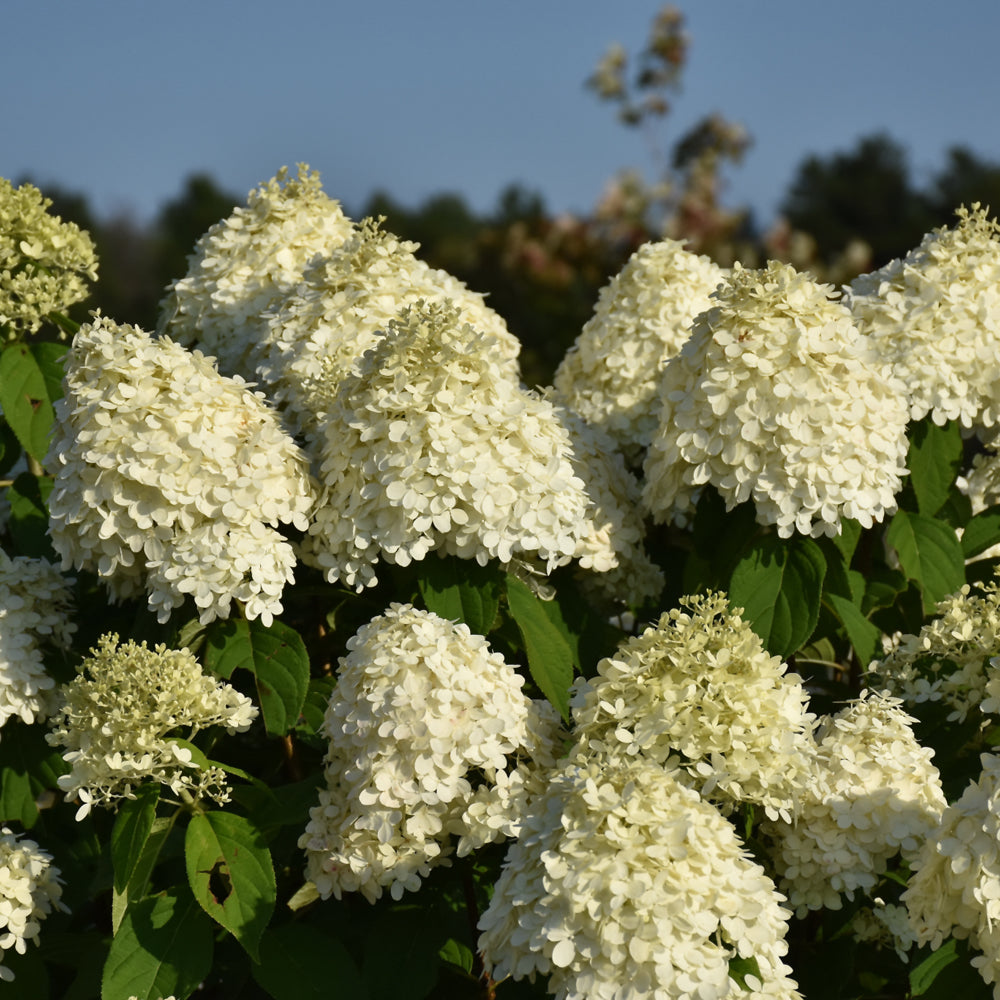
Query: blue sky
[(123, 99)]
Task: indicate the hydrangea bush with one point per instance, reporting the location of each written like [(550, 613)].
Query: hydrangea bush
[(337, 662)]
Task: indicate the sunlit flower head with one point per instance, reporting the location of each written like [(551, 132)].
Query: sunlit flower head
[(171, 478), (35, 604), (433, 750), (431, 444), (45, 264), (698, 692), (30, 889), (123, 714), (611, 374), (934, 316), (874, 794), (948, 661), (248, 263), (777, 399), (622, 875), (345, 301)]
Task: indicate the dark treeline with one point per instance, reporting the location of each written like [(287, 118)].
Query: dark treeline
[(543, 272)]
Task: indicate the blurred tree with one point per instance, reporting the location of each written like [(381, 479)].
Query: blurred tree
[(964, 179), (865, 193)]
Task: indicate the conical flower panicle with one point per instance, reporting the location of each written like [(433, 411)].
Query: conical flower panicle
[(168, 476), (247, 263), (777, 399), (431, 742), (698, 692), (611, 374), (934, 316)]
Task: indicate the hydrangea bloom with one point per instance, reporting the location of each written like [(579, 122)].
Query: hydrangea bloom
[(698, 692), (874, 793), (45, 263), (35, 602), (947, 661), (30, 889), (624, 883), (885, 924), (118, 715), (776, 398), (171, 477), (248, 263), (955, 888), (431, 739), (610, 376), (432, 445), (935, 317), (344, 302)]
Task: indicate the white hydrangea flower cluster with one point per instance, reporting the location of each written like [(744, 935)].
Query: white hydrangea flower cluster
[(885, 924), (45, 263), (30, 889), (778, 399), (934, 316), (875, 793), (172, 478), (35, 604), (625, 883), (118, 715), (611, 374), (345, 301), (246, 264), (431, 445), (955, 888), (948, 661), (698, 692), (431, 740)]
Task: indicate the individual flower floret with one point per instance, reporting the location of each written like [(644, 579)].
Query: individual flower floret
[(118, 717), (172, 478), (45, 263), (948, 661), (346, 299), (247, 263), (431, 444), (955, 888), (777, 399), (698, 692), (431, 741), (30, 889), (874, 793), (934, 316), (885, 924), (611, 374), (35, 602), (625, 883)]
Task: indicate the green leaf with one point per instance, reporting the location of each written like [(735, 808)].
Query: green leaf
[(28, 767), (981, 533), (164, 946), (231, 874), (413, 940), (933, 460), (29, 516), (740, 968), (550, 654), (929, 554), (30, 381), (142, 870), (317, 700), (274, 654), (132, 828), (458, 954), (462, 590), (924, 974), (10, 447), (847, 540), (299, 962), (865, 637), (779, 585)]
